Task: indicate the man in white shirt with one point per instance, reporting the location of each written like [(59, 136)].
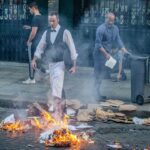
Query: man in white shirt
[(53, 44)]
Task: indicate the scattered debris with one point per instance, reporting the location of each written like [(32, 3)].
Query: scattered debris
[(85, 115), (10, 124), (140, 121), (71, 112), (110, 115), (104, 115), (74, 104), (115, 146), (84, 126), (9, 119), (45, 135), (61, 133), (115, 103), (126, 107), (54, 133), (62, 138), (29, 145)]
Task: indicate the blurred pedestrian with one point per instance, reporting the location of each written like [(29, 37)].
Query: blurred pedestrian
[(38, 26), (107, 35), (52, 48)]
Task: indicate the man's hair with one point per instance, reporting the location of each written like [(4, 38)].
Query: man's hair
[(109, 13), (54, 13), (33, 4)]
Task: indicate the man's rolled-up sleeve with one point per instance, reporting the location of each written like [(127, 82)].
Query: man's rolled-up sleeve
[(67, 38), (99, 36), (41, 46), (119, 40)]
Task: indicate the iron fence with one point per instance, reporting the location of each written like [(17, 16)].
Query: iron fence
[(13, 14), (132, 17)]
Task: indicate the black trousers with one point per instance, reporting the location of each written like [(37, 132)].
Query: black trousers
[(101, 72), (31, 70)]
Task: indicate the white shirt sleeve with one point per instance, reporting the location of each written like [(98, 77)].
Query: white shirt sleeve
[(41, 46), (67, 38)]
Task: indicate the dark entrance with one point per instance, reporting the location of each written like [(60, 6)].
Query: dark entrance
[(13, 15)]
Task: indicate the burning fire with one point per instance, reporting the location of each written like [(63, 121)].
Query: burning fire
[(62, 138), (47, 121), (37, 123), (14, 127)]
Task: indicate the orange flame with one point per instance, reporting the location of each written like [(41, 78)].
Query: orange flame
[(62, 138), (13, 127), (37, 123)]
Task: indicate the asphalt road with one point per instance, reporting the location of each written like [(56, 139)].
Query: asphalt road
[(130, 136)]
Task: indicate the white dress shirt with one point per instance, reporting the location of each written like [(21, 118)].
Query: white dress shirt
[(67, 38)]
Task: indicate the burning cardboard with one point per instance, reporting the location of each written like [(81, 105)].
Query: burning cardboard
[(62, 138), (10, 124), (55, 133)]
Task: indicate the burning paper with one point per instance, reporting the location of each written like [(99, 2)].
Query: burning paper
[(9, 119), (55, 132), (62, 138), (11, 125), (45, 135)]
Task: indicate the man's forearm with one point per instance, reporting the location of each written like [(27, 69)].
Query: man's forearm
[(31, 37), (120, 68), (35, 58), (105, 53), (74, 63)]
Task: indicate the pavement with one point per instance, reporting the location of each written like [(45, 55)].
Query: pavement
[(78, 86)]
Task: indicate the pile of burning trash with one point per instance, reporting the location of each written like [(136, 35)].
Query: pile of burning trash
[(53, 132), (71, 131)]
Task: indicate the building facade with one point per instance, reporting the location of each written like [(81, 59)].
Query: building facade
[(82, 17)]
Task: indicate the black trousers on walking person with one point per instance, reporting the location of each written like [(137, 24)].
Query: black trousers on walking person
[(100, 72), (31, 70)]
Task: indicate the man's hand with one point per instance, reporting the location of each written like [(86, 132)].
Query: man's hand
[(107, 56), (105, 53), (34, 64), (29, 43), (119, 76), (73, 70), (125, 51)]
